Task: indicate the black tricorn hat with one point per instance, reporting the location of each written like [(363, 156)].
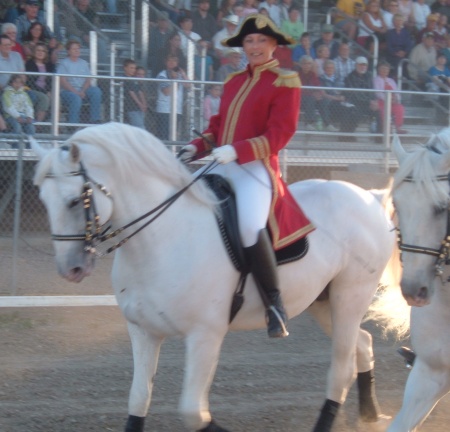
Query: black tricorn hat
[(257, 23)]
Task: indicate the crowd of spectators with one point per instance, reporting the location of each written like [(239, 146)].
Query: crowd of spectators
[(340, 57)]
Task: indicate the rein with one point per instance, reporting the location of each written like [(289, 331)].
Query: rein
[(92, 234), (443, 253)]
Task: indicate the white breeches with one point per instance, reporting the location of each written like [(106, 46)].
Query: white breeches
[(253, 190)]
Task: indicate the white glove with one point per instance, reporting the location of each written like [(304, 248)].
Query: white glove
[(187, 152), (224, 154)]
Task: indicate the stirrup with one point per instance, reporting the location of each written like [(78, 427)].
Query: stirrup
[(409, 356), (276, 329)]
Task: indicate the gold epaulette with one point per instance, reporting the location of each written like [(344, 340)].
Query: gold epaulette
[(233, 74), (286, 78)]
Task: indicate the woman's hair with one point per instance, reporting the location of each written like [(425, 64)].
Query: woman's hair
[(8, 26), (29, 36), (306, 59), (41, 45), (14, 77)]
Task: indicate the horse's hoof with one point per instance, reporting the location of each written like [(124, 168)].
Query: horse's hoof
[(213, 427), (380, 425)]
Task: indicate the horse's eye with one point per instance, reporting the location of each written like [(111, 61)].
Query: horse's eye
[(74, 203), (440, 209)]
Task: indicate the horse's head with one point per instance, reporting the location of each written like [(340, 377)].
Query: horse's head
[(421, 197), (76, 207)]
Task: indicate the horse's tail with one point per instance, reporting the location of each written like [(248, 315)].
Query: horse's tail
[(389, 309)]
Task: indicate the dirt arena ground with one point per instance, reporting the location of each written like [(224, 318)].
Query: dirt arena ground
[(70, 369)]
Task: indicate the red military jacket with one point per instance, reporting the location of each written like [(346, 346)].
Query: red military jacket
[(258, 115)]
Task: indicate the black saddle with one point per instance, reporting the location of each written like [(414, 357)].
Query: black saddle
[(228, 225)]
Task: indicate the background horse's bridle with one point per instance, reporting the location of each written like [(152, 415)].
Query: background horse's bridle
[(443, 253)]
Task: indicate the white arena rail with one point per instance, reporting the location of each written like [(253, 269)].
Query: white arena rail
[(50, 301)]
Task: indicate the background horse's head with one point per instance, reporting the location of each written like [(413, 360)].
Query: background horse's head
[(421, 197)]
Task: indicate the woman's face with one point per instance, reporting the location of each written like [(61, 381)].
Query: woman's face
[(258, 48), (12, 34), (40, 53), (36, 31), (383, 71)]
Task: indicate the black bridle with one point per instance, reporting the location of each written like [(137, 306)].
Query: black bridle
[(443, 253), (93, 234)]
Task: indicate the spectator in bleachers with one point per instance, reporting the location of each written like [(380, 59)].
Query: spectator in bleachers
[(32, 14), (285, 5), (81, 22), (365, 102), (12, 62), (440, 75), (10, 30), (170, 72), (372, 23), (388, 13), (292, 25), (173, 47), (446, 50), (398, 42), (17, 106), (347, 15), (335, 109), (212, 101), (76, 90), (250, 7), (420, 12), (136, 103), (383, 82), (234, 56), (186, 33), (230, 24), (323, 54), (441, 7), (304, 48), (225, 9), (39, 62), (327, 38), (430, 27), (405, 7), (204, 23), (158, 37), (34, 36), (273, 9), (442, 25), (343, 64), (421, 59), (312, 100), (8, 11), (201, 49)]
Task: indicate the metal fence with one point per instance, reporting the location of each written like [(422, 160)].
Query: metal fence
[(316, 151)]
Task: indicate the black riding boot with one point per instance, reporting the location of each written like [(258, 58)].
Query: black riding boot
[(263, 266)]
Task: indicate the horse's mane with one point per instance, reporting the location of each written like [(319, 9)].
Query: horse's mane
[(419, 166), (127, 150)]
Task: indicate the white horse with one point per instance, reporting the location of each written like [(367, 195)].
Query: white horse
[(421, 197), (175, 277)]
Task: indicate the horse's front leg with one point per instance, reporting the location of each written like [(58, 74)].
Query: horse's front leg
[(202, 355), (145, 359), (424, 388)]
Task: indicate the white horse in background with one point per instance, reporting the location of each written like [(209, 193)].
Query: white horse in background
[(420, 193), (174, 278)]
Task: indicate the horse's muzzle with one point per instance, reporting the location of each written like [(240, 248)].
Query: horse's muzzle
[(420, 298), (76, 273)]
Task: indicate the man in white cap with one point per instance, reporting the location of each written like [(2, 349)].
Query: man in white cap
[(230, 24)]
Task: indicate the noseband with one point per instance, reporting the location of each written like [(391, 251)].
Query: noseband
[(443, 253)]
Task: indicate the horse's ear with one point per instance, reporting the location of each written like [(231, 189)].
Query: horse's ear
[(75, 153), (37, 148), (400, 152)]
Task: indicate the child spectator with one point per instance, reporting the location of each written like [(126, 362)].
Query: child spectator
[(304, 48), (171, 72), (212, 102), (383, 82), (136, 104), (18, 107), (323, 54)]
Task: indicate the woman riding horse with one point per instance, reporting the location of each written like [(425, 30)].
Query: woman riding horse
[(258, 116)]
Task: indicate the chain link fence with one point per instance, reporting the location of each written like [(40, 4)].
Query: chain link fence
[(356, 147)]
